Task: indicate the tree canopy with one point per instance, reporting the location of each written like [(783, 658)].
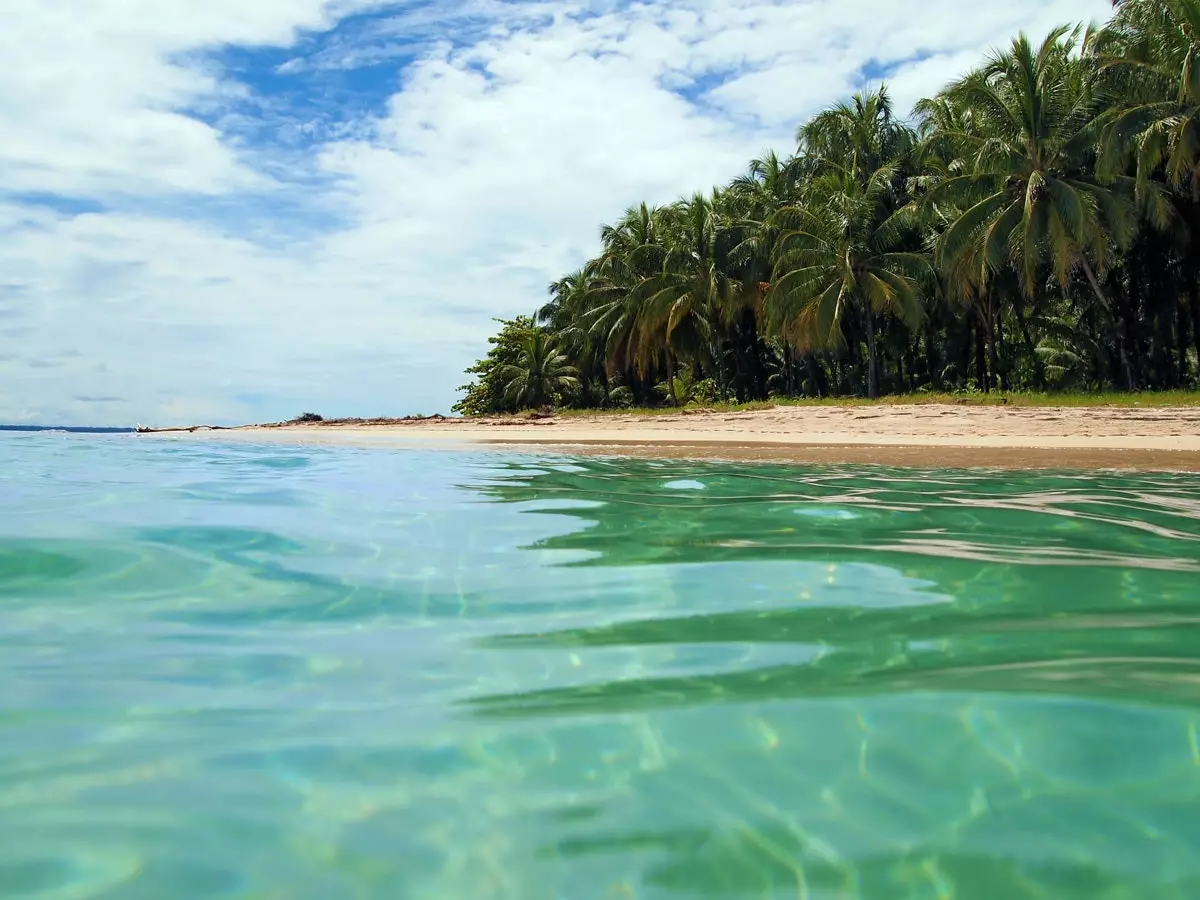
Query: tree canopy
[(1032, 226)]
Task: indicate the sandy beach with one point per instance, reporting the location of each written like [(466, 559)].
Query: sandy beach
[(918, 434)]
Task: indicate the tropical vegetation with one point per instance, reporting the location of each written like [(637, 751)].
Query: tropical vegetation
[(1033, 227)]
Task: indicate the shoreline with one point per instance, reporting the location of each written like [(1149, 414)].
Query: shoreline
[(932, 435)]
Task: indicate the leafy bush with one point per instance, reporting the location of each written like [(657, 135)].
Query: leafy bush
[(487, 394), (689, 390), (619, 397), (523, 370)]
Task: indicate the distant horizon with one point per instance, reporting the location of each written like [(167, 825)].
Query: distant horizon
[(73, 429)]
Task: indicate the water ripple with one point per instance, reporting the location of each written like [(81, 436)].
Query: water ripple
[(232, 671)]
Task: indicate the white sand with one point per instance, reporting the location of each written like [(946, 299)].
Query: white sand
[(914, 434)]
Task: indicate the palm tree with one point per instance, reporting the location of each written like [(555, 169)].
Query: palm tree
[(842, 251), (540, 374), (836, 262), (859, 138), (1026, 182), (632, 252), (568, 297), (749, 205), (1024, 193), (769, 185), (1151, 51), (677, 303), (1150, 55), (566, 317)]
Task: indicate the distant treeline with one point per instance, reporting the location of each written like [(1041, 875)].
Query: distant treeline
[(1036, 227)]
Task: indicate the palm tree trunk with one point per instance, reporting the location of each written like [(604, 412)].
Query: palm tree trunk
[(739, 380), (671, 378), (981, 379), (1039, 370), (872, 377), (1181, 345), (963, 363), (1121, 347), (1194, 303), (1006, 365), (816, 375), (758, 368), (933, 371), (993, 357)]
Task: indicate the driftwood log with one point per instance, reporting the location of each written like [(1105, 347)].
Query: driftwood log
[(146, 429)]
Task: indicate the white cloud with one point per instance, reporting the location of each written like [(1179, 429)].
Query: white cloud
[(484, 176), (808, 54), (91, 91)]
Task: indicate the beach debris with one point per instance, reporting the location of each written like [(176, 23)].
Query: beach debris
[(146, 429)]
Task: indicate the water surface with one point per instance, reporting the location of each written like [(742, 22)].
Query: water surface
[(238, 671)]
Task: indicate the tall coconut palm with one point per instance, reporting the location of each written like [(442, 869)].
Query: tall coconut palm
[(568, 297), (945, 139), (748, 207), (540, 374), (752, 202), (1151, 51), (1150, 57), (1027, 195), (677, 303), (633, 250), (853, 159), (1025, 182), (769, 184), (837, 261), (566, 316), (859, 138)]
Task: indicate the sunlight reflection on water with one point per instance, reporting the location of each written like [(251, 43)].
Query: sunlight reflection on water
[(239, 671)]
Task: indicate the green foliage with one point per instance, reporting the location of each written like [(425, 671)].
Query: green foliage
[(1037, 227), (540, 376), (688, 391), (619, 397), (1025, 198), (488, 391), (523, 370), (1150, 56)]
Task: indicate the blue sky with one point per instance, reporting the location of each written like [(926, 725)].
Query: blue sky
[(235, 211)]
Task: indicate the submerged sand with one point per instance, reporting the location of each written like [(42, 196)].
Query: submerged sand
[(923, 435)]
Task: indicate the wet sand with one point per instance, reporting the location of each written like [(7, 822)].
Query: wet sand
[(931, 435)]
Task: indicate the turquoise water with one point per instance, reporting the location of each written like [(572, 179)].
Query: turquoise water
[(236, 671)]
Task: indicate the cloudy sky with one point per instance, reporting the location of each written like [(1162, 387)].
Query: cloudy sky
[(237, 210)]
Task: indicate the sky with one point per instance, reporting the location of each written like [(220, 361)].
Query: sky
[(240, 210)]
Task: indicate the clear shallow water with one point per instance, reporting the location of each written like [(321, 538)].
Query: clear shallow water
[(235, 671)]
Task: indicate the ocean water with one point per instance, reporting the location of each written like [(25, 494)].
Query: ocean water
[(311, 673)]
